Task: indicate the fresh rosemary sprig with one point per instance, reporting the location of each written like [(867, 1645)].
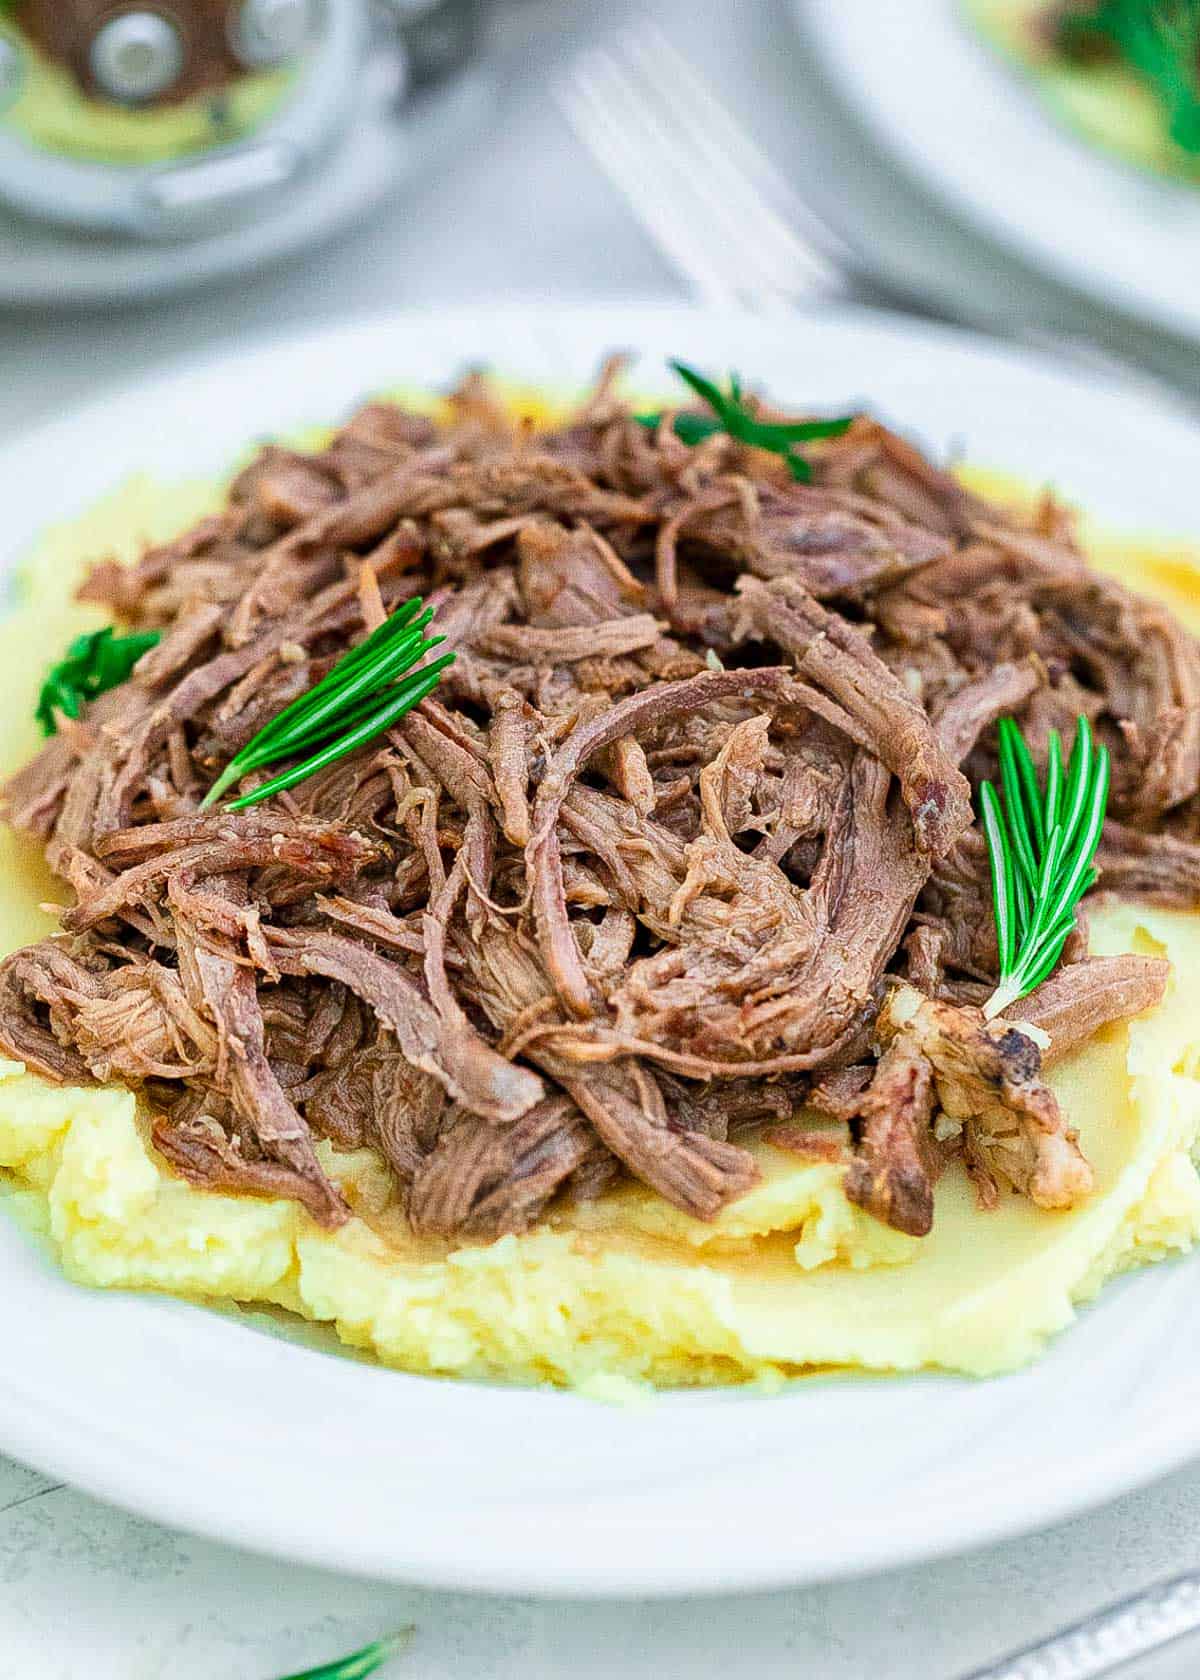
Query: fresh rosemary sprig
[(356, 701), (362, 1663), (1042, 842), (732, 414), (93, 663), (1160, 41)]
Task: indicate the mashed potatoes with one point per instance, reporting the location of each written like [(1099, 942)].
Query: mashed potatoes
[(791, 1276)]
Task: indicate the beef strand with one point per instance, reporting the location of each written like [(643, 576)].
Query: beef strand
[(683, 842)]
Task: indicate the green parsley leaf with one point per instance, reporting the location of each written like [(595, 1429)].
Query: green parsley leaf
[(93, 663)]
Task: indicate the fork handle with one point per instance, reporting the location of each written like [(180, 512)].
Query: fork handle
[(1105, 1642)]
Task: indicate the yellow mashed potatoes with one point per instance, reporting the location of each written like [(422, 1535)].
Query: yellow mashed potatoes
[(790, 1277)]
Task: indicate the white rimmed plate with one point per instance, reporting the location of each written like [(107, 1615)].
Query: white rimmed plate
[(383, 152), (970, 129), (201, 1421)]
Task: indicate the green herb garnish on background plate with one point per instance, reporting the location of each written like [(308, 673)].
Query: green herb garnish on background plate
[(1160, 41), (1042, 841), (92, 664), (361, 1663), (356, 701), (733, 415)]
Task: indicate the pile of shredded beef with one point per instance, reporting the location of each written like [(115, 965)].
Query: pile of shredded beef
[(682, 847)]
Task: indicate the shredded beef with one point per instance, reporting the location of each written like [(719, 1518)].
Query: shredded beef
[(841, 663), (682, 844), (481, 1180), (892, 1175), (1160, 868), (1081, 997), (987, 1077)]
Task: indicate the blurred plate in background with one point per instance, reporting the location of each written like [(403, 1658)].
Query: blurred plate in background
[(41, 265), (413, 92), (969, 129)]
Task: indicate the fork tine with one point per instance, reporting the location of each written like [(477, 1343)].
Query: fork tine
[(689, 174), (626, 152), (743, 253), (749, 156), (734, 140), (662, 159), (704, 126), (664, 156)]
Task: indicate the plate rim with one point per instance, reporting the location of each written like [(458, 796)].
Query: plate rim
[(677, 1538), (378, 157), (823, 28), (541, 1527)]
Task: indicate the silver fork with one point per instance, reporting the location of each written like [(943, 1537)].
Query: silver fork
[(726, 219), (739, 236), (655, 127)]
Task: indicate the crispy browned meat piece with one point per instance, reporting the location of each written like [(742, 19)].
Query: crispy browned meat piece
[(988, 1078), (693, 801), (892, 1174), (975, 1073), (1081, 997)]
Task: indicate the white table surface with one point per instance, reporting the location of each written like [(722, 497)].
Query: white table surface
[(89, 1593)]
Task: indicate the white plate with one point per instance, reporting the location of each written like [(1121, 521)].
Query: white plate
[(47, 266), (962, 121), (201, 1421)]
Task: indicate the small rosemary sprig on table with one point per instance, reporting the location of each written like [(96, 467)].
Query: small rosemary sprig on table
[(733, 415), (358, 699), (1042, 841), (361, 1663), (93, 663), (1160, 42)]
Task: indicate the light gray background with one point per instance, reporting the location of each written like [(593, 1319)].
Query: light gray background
[(88, 1593)]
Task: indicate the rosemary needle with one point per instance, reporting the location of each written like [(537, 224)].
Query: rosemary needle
[(401, 699), (370, 688), (733, 415), (1041, 848), (360, 1663)]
